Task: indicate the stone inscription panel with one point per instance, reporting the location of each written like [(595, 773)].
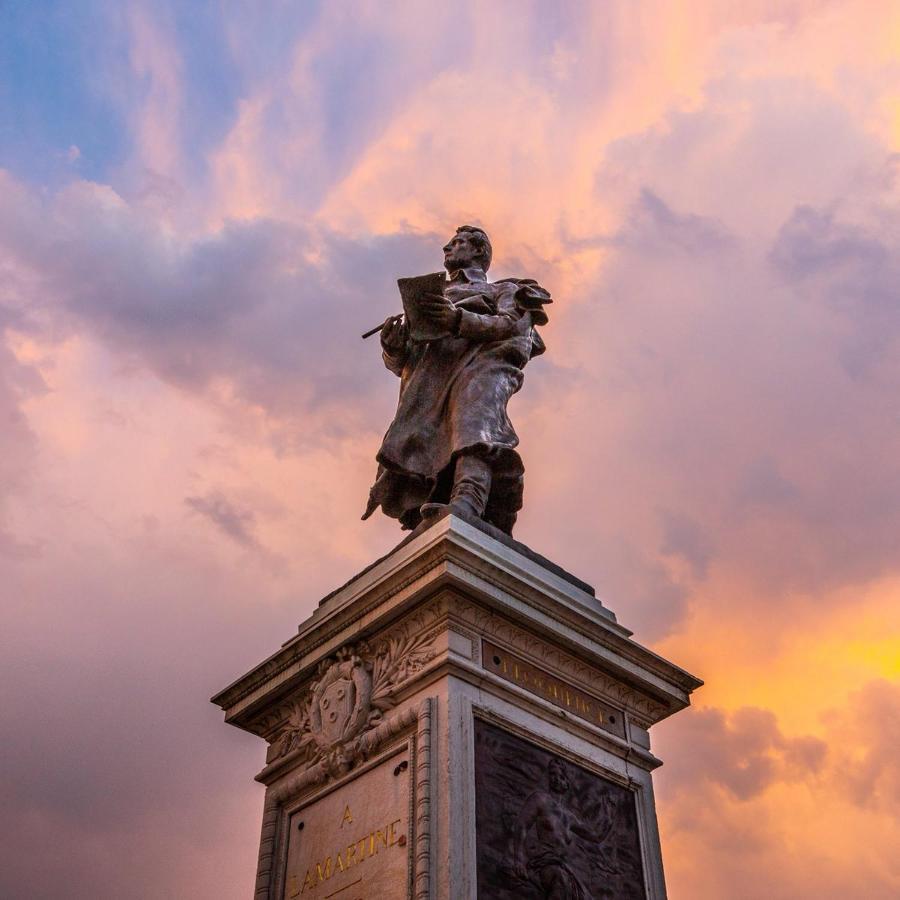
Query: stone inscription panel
[(547, 828), (353, 843), (574, 700)]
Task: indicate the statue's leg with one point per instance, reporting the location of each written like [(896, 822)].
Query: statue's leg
[(471, 485), (504, 521), (471, 489)]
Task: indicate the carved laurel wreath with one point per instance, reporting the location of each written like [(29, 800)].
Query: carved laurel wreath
[(375, 677)]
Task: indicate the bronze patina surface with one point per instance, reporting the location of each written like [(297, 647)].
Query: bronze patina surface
[(451, 442), (548, 829)]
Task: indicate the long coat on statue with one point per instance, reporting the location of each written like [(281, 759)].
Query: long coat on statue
[(453, 397)]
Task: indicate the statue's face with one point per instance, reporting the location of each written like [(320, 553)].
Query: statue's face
[(559, 783), (460, 252)]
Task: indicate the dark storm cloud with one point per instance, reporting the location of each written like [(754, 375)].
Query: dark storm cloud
[(854, 268), (114, 754), (812, 242), (692, 438), (232, 520), (274, 308), (749, 449), (654, 225), (744, 752), (760, 483), (684, 537)]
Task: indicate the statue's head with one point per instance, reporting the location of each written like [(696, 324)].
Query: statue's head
[(470, 246), (557, 777)]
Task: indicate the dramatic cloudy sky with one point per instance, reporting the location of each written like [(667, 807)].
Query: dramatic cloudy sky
[(202, 206)]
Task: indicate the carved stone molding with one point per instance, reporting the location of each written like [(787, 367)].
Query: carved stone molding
[(299, 782), (422, 878), (491, 624), (352, 690), (290, 655)]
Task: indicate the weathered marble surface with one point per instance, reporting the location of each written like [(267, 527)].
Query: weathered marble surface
[(353, 842), (393, 666)]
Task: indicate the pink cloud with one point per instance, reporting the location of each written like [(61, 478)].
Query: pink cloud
[(711, 439)]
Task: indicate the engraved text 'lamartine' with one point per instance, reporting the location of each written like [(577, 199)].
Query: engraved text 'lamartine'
[(346, 856)]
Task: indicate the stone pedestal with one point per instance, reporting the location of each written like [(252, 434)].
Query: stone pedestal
[(461, 720)]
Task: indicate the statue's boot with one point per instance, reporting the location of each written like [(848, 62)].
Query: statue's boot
[(471, 485), (471, 488)]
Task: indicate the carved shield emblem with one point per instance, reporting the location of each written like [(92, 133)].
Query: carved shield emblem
[(352, 691), (336, 705)]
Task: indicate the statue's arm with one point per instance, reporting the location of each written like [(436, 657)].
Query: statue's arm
[(498, 326), (482, 327), (394, 362), (520, 835), (395, 344), (592, 832), (583, 830), (518, 298)]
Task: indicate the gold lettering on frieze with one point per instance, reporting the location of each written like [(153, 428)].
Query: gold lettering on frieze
[(347, 857), (518, 671)]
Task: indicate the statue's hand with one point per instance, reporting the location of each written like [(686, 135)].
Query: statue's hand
[(393, 334), (442, 312)]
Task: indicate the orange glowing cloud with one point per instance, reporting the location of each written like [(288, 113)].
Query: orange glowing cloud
[(710, 195)]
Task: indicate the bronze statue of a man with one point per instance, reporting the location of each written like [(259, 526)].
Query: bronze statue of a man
[(451, 442)]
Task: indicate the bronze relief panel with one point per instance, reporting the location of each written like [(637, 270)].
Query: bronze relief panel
[(548, 829)]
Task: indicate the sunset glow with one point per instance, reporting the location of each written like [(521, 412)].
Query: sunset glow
[(202, 207)]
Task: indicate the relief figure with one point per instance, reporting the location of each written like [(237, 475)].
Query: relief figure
[(556, 823), (550, 829)]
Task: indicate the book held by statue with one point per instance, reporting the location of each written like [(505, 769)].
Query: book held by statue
[(413, 291)]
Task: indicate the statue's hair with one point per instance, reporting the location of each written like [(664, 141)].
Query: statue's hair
[(559, 765), (479, 238)]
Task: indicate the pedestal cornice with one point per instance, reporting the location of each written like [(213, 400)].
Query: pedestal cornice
[(499, 591)]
